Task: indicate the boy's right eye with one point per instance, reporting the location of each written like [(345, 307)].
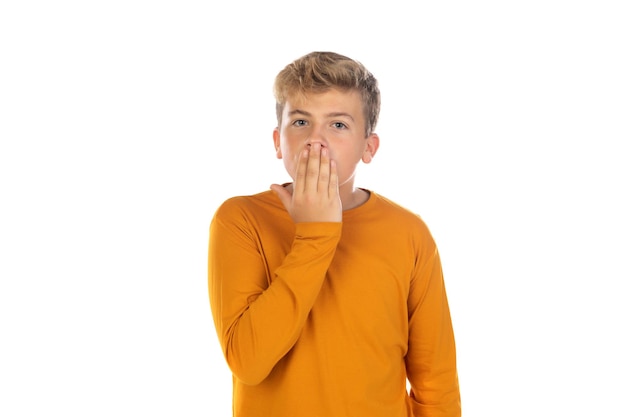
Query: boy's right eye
[(299, 122)]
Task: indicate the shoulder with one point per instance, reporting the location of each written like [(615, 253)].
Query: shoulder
[(400, 218), (244, 206), (399, 211)]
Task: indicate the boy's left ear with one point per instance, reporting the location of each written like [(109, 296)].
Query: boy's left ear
[(371, 146)]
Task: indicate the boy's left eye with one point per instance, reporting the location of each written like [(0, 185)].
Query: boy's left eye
[(339, 125)]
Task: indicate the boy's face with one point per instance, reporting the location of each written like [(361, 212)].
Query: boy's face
[(335, 120)]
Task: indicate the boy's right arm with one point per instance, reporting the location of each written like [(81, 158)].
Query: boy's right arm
[(258, 324)]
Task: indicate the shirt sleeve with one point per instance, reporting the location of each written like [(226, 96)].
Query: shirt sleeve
[(258, 322), (431, 358)]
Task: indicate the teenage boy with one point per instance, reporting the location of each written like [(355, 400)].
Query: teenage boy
[(326, 297)]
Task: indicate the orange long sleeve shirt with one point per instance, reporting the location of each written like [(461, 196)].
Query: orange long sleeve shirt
[(330, 319)]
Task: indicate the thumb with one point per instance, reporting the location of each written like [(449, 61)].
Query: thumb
[(283, 194)]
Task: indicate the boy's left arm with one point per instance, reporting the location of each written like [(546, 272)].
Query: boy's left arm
[(431, 358)]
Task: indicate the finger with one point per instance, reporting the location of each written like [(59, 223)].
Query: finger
[(324, 171), (283, 194), (333, 182), (313, 168), (300, 180)]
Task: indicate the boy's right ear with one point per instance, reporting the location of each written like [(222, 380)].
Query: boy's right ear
[(276, 136)]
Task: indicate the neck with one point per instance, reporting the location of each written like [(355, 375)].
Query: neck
[(352, 197)]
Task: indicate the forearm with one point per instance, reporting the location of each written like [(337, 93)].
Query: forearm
[(257, 322), (431, 360)]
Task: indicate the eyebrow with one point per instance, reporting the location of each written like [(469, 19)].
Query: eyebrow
[(334, 114)]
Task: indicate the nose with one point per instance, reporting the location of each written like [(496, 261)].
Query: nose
[(309, 144), (316, 136)]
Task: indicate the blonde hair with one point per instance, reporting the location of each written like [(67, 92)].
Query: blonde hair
[(318, 72)]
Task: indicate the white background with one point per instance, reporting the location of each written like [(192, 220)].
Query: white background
[(123, 125)]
